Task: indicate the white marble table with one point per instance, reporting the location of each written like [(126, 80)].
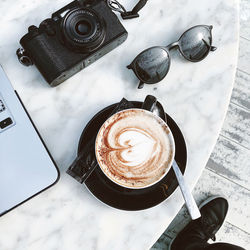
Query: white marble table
[(196, 95)]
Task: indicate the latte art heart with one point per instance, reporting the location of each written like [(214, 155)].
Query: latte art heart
[(133, 148)]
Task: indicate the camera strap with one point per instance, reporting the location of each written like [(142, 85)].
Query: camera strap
[(116, 6)]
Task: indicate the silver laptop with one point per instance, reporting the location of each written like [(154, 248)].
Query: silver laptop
[(26, 166)]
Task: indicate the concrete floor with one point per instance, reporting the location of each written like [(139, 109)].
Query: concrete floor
[(228, 169)]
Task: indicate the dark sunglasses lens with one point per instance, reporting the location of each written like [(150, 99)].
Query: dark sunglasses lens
[(152, 65), (195, 43)]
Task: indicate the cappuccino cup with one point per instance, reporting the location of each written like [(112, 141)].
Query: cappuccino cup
[(135, 148)]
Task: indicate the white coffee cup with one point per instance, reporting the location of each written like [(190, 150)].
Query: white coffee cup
[(135, 148)]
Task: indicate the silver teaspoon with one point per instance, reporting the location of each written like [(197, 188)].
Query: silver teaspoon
[(187, 195)]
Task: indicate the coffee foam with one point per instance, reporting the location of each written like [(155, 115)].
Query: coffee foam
[(134, 148)]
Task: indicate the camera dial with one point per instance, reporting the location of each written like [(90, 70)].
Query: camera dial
[(83, 30)]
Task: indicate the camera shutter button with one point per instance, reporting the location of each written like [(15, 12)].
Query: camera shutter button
[(33, 30)]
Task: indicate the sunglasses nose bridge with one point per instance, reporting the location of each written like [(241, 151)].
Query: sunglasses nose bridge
[(172, 45)]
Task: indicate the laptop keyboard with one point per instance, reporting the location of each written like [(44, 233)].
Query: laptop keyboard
[(2, 107), (6, 118)]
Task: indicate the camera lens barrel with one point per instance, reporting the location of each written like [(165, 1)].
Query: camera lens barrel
[(83, 29)]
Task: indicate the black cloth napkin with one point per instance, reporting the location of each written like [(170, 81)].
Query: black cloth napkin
[(86, 162)]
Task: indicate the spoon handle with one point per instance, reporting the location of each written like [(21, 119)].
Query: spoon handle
[(187, 195)]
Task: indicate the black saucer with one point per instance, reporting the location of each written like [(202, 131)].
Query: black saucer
[(123, 198)]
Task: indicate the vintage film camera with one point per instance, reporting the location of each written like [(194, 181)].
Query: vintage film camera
[(73, 38)]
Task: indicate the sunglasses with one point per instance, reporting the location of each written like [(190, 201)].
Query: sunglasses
[(152, 64)]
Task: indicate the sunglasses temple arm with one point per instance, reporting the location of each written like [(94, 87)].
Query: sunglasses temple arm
[(141, 85), (213, 48), (172, 45)]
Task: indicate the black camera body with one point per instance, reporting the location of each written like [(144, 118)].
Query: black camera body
[(73, 38)]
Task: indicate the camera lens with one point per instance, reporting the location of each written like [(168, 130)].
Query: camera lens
[(83, 29)]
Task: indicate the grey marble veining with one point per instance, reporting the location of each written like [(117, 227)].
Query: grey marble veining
[(195, 95)]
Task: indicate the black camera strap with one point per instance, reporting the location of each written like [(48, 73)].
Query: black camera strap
[(116, 6)]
